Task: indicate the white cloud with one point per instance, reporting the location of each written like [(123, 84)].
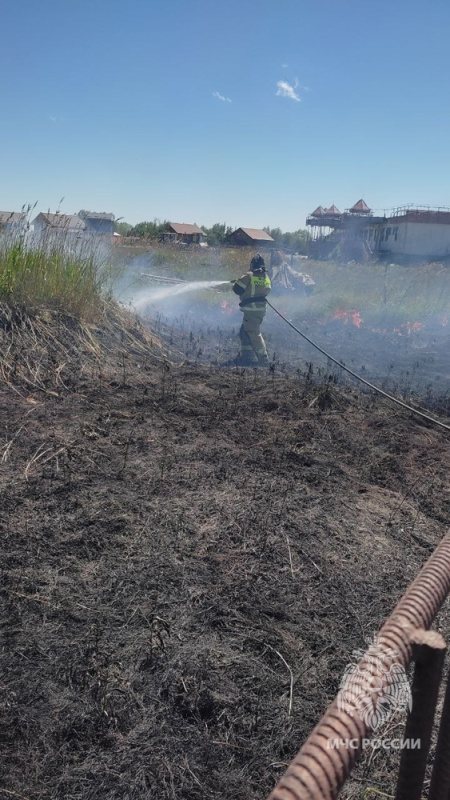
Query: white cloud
[(284, 89), (221, 97)]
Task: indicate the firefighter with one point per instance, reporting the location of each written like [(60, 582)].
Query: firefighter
[(253, 289)]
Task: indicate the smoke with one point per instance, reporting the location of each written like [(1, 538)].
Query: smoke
[(389, 323), (192, 306)]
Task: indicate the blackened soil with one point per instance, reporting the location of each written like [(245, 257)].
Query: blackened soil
[(176, 540)]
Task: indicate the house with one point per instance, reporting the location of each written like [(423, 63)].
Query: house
[(58, 223), (414, 231), (100, 224), (12, 222), (250, 237), (185, 233)]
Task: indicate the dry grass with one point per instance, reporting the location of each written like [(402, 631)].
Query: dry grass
[(47, 350), (53, 275)]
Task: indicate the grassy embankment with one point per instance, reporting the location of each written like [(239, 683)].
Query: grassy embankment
[(58, 319)]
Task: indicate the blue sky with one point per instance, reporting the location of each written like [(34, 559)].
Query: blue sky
[(123, 107)]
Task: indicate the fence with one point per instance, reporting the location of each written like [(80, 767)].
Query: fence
[(325, 761)]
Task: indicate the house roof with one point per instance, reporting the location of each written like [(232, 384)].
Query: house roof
[(360, 207), (319, 212), (255, 233), (184, 228), (331, 211), (63, 221), (95, 215), (11, 217)]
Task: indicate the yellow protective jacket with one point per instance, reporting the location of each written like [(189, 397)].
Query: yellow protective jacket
[(251, 288)]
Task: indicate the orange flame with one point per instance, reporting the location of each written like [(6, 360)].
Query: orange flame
[(349, 316), (407, 328), (226, 308)]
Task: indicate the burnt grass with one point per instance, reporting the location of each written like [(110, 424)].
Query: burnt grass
[(177, 541), (415, 367)]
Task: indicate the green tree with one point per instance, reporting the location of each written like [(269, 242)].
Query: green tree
[(217, 234), (275, 233), (123, 228), (294, 241), (297, 241), (148, 230)]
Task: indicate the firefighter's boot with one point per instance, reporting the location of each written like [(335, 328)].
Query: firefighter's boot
[(263, 361), (244, 359)]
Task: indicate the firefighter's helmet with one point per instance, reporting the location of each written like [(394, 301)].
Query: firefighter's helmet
[(257, 263)]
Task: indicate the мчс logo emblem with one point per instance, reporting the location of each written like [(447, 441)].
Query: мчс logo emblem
[(377, 691)]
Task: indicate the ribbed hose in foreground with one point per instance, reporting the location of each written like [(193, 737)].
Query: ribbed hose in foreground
[(319, 772)]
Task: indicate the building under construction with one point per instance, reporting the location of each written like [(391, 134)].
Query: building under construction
[(357, 233)]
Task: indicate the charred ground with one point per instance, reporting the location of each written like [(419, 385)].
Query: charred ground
[(187, 552)]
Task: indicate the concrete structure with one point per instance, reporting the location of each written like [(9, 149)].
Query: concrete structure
[(184, 232), (250, 237), (416, 232)]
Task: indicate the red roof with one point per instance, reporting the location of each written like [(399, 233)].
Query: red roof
[(319, 212), (255, 233), (184, 228), (360, 207), (332, 211)]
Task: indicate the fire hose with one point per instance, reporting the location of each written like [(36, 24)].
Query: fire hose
[(401, 403), (359, 377)]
